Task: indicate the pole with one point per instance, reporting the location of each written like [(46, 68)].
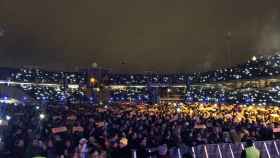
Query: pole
[(228, 43), (99, 85)]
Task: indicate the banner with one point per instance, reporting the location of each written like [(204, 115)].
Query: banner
[(73, 117), (88, 113), (78, 129), (59, 130), (4, 123), (100, 124), (101, 110), (276, 130), (202, 126), (56, 117)]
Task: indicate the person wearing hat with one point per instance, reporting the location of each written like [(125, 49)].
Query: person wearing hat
[(250, 151)]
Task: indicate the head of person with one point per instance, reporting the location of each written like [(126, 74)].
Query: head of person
[(20, 143), (249, 143), (35, 142), (94, 154), (144, 142), (91, 139), (162, 149), (114, 145), (68, 143), (50, 143), (83, 141)]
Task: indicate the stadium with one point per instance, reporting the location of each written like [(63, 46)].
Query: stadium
[(99, 113), (139, 79)]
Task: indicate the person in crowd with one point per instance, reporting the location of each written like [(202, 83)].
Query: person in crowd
[(82, 149), (250, 151), (163, 151), (51, 152)]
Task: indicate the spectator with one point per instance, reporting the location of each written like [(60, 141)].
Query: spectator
[(250, 151)]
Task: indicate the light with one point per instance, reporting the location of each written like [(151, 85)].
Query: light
[(73, 86), (168, 90), (1, 121), (42, 116), (254, 58), (97, 89), (92, 80), (5, 98), (8, 117), (178, 110), (37, 107)]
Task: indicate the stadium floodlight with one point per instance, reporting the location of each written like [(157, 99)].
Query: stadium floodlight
[(8, 117), (42, 116)]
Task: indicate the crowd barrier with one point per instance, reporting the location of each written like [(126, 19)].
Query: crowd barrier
[(269, 149)]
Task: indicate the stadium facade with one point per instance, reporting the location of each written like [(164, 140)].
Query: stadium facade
[(254, 82)]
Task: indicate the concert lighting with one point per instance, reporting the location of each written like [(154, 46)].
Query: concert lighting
[(42, 116)]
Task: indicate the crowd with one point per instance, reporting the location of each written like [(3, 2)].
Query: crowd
[(114, 131), (263, 66), (37, 75), (57, 95), (130, 95), (266, 95)]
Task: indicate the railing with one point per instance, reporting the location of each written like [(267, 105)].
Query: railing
[(268, 149)]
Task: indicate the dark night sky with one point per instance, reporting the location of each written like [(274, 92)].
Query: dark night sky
[(148, 35)]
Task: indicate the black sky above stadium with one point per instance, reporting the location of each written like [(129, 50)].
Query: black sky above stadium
[(142, 35)]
